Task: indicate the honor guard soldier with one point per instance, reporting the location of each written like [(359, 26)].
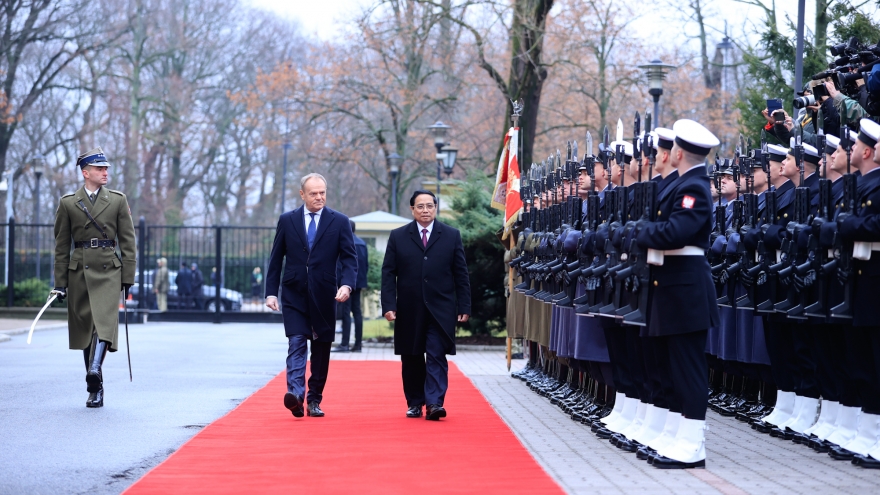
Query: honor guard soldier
[(94, 260), (684, 306)]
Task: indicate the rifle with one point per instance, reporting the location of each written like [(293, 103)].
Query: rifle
[(745, 258), (793, 305), (763, 273), (843, 251), (637, 311)]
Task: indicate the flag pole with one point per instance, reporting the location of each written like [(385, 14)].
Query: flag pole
[(517, 111)]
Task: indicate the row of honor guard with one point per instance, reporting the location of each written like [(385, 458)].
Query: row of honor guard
[(650, 286)]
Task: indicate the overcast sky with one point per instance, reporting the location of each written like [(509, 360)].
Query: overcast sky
[(323, 17)]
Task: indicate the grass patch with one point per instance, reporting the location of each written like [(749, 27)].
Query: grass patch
[(382, 328), (377, 328)]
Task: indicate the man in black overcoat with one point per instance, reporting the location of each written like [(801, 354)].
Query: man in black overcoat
[(425, 290), (312, 238)]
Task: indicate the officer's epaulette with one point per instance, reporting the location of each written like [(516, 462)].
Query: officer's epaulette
[(67, 195), (116, 192)]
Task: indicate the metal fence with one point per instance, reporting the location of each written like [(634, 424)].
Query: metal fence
[(232, 262)]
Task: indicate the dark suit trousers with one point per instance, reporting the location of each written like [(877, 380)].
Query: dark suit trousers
[(689, 372), (352, 307), (426, 378), (296, 367)]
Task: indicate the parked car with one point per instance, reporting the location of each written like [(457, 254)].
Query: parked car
[(230, 299)]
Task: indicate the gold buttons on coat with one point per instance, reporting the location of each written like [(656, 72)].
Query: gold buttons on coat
[(655, 283)]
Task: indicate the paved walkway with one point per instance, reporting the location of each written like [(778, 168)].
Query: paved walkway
[(740, 460), (188, 375)]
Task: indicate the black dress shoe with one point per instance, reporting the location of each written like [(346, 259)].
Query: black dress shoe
[(866, 462), (644, 452), (604, 433), (294, 403), (96, 399), (314, 410), (661, 462), (841, 454), (820, 446), (342, 348), (356, 349), (435, 412), (629, 446), (414, 412), (802, 438)]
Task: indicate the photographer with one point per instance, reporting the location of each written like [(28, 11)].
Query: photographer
[(849, 110), (821, 112)]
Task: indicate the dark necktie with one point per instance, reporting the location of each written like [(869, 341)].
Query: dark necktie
[(311, 233), (92, 198), (425, 237)]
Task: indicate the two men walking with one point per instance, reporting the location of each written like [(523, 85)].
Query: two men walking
[(425, 289)]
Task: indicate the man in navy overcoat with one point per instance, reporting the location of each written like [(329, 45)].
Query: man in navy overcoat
[(425, 291), (312, 239)]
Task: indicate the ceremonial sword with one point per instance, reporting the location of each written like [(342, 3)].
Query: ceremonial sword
[(53, 294)]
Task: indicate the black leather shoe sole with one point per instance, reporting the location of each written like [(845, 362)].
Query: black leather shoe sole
[(661, 462), (414, 413), (294, 404), (315, 413), (340, 349), (435, 414), (643, 453), (841, 454), (866, 462)]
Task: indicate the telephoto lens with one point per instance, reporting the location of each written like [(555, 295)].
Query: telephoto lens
[(804, 101)]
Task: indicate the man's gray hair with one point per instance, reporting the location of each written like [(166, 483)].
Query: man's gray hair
[(302, 182)]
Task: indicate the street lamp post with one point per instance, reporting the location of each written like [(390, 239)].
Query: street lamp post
[(394, 161), (439, 130), (287, 146), (656, 71), (6, 185), (37, 165)]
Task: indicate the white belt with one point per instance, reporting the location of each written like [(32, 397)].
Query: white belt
[(862, 250), (655, 257)]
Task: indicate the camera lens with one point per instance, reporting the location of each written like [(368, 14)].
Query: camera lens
[(804, 101)]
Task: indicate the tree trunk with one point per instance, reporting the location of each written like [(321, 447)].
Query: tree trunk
[(822, 21), (527, 73)]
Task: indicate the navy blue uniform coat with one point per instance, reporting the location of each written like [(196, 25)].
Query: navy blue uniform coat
[(309, 284), (416, 280), (683, 298), (864, 225)]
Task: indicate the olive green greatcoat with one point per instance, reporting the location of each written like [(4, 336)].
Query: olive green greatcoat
[(94, 277)]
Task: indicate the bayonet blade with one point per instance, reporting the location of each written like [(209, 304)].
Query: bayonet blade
[(589, 144), (574, 151), (619, 130)]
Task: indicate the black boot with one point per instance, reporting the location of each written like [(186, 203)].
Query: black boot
[(96, 399), (94, 377)]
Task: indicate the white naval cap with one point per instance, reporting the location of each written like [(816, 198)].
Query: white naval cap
[(663, 138), (869, 132), (627, 147), (691, 136), (831, 143), (776, 153), (811, 154)]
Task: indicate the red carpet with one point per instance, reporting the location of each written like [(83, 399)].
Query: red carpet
[(363, 445)]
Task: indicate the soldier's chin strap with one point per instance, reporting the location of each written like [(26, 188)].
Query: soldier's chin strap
[(91, 218)]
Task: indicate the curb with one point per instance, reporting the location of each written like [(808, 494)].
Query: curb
[(5, 335)]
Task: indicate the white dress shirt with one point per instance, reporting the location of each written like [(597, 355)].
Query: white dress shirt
[(91, 193)]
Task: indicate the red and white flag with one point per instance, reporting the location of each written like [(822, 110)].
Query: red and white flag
[(506, 195)]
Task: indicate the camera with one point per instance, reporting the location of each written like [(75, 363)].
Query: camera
[(804, 101)]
